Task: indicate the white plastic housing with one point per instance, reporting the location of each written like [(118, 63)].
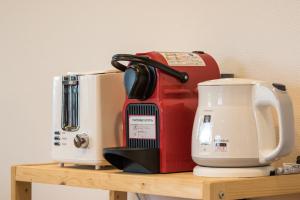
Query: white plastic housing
[(101, 97), (234, 126)]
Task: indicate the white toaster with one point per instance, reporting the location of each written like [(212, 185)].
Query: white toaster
[(86, 116)]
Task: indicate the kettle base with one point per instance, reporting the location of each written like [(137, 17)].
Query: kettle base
[(232, 172)]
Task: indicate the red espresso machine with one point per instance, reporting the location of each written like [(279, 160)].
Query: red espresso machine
[(159, 110)]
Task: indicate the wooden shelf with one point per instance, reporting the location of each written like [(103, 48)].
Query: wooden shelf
[(183, 185)]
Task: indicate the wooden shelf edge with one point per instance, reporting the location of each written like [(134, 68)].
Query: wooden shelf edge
[(108, 181), (183, 185)]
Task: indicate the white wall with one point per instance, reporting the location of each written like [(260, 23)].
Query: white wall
[(43, 38)]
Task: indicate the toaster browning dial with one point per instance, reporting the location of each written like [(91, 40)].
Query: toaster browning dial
[(81, 140)]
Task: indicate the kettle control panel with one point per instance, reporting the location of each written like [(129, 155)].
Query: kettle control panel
[(207, 119)]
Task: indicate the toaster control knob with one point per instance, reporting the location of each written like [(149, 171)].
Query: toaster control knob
[(81, 141)]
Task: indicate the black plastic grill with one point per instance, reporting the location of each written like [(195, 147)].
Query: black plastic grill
[(142, 109)]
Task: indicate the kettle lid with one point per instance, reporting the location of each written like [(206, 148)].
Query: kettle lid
[(229, 81)]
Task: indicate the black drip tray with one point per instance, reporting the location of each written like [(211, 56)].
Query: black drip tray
[(139, 160)]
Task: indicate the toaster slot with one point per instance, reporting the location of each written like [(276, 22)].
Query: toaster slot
[(70, 93)]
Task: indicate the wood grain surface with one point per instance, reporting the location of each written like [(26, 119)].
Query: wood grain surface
[(183, 185)]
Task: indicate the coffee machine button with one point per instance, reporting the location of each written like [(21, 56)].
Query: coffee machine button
[(81, 141)]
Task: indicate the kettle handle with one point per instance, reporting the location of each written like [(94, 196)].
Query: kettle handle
[(275, 95)]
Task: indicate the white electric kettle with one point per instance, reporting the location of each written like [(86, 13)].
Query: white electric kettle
[(234, 126)]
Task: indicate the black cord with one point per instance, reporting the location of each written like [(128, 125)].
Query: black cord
[(182, 76)]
